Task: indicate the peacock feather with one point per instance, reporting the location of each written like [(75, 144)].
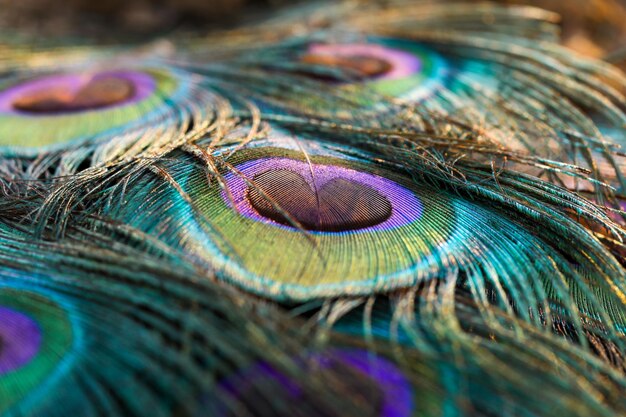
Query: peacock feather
[(374, 209), (88, 115)]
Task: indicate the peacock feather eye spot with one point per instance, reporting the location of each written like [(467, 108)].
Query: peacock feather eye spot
[(335, 206), (20, 339), (393, 67), (74, 93), (36, 335), (353, 383), (349, 373), (363, 65), (371, 61), (366, 227), (321, 197), (95, 93), (84, 108)]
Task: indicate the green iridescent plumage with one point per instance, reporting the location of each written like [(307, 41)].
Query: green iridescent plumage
[(403, 213), (428, 239)]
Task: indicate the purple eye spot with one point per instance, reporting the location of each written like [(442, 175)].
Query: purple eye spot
[(337, 205), (372, 385), (320, 198), (371, 61), (20, 339)]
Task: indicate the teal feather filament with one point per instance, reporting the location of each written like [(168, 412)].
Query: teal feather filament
[(35, 334)]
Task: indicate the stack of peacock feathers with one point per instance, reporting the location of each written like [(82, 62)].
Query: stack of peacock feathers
[(350, 210)]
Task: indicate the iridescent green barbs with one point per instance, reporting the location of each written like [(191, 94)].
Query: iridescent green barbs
[(394, 190), (289, 218)]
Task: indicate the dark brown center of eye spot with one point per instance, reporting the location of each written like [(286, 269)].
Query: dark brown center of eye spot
[(98, 93), (364, 66), (339, 204)]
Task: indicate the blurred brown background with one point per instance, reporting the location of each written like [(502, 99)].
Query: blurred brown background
[(593, 27), (95, 18)]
